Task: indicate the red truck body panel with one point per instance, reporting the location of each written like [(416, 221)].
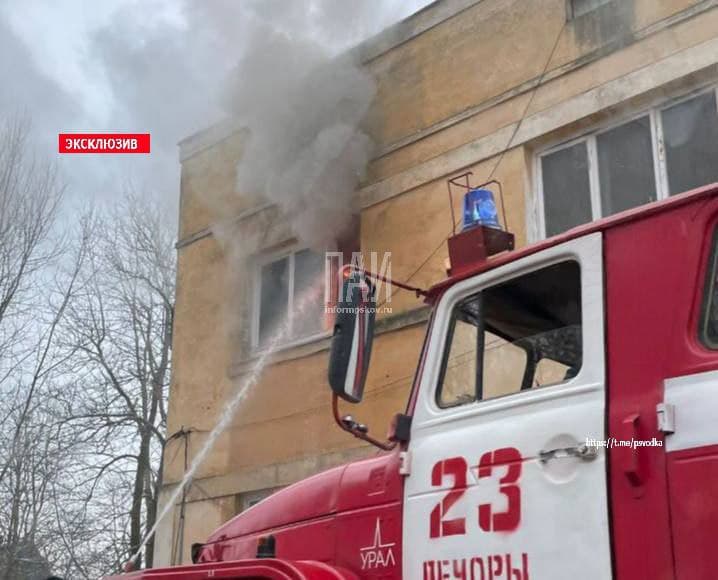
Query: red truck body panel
[(662, 505), (269, 569), (330, 517)]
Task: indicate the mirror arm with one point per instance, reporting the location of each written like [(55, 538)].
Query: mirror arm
[(415, 289), (359, 431)]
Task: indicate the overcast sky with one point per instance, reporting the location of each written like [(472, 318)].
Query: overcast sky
[(155, 66)]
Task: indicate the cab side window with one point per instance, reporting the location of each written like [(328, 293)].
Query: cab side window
[(708, 328), (518, 335)]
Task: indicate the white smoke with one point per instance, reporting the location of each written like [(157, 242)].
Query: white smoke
[(303, 105)]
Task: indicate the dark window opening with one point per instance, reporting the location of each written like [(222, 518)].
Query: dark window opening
[(625, 166), (690, 131), (519, 335), (567, 188)]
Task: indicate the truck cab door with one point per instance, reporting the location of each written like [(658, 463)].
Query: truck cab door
[(507, 477)]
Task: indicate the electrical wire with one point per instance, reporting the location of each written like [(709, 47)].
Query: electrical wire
[(498, 161)]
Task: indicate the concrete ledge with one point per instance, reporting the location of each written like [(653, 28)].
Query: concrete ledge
[(285, 354), (383, 325), (402, 320), (674, 67), (268, 476), (682, 63), (389, 38), (418, 23), (533, 83), (403, 31), (206, 232), (208, 137)]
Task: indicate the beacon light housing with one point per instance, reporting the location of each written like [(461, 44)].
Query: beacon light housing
[(479, 210), (482, 234)]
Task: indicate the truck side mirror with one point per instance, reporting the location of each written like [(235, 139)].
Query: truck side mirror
[(352, 338)]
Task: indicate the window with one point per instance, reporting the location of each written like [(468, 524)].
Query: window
[(576, 8), (567, 197), (292, 283), (665, 151), (708, 329), (519, 335), (244, 501), (691, 140)]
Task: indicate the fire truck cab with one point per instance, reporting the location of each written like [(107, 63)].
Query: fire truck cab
[(562, 424)]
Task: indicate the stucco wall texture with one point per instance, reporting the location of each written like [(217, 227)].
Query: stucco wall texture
[(477, 85)]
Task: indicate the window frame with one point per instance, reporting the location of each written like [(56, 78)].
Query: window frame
[(259, 262), (478, 386), (587, 250), (709, 284), (478, 391), (660, 167)]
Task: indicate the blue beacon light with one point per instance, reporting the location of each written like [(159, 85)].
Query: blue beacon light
[(479, 210)]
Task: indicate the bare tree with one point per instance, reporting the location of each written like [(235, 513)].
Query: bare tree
[(119, 331), (31, 309), (85, 339), (30, 195)]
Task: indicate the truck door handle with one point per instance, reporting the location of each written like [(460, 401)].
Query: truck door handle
[(629, 457), (585, 452)]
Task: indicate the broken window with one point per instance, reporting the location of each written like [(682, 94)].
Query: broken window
[(519, 335), (615, 169), (292, 283)]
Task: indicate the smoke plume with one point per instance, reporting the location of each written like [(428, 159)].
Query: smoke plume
[(303, 106)]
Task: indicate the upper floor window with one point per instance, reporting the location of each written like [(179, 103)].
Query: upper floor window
[(518, 335), (291, 282), (664, 151)]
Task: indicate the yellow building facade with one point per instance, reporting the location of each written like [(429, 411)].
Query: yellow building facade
[(580, 108)]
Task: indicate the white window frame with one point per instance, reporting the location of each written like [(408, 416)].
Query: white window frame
[(659, 155), (259, 262)]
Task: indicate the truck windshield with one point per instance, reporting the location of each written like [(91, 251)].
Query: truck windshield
[(518, 335)]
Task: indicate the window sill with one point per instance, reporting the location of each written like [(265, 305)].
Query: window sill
[(321, 342), (295, 349), (258, 351)]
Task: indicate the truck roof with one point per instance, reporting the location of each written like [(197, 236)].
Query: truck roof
[(606, 223)]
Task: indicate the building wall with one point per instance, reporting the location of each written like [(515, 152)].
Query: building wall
[(478, 85)]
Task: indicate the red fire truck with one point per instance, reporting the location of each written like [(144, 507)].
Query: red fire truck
[(563, 421)]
